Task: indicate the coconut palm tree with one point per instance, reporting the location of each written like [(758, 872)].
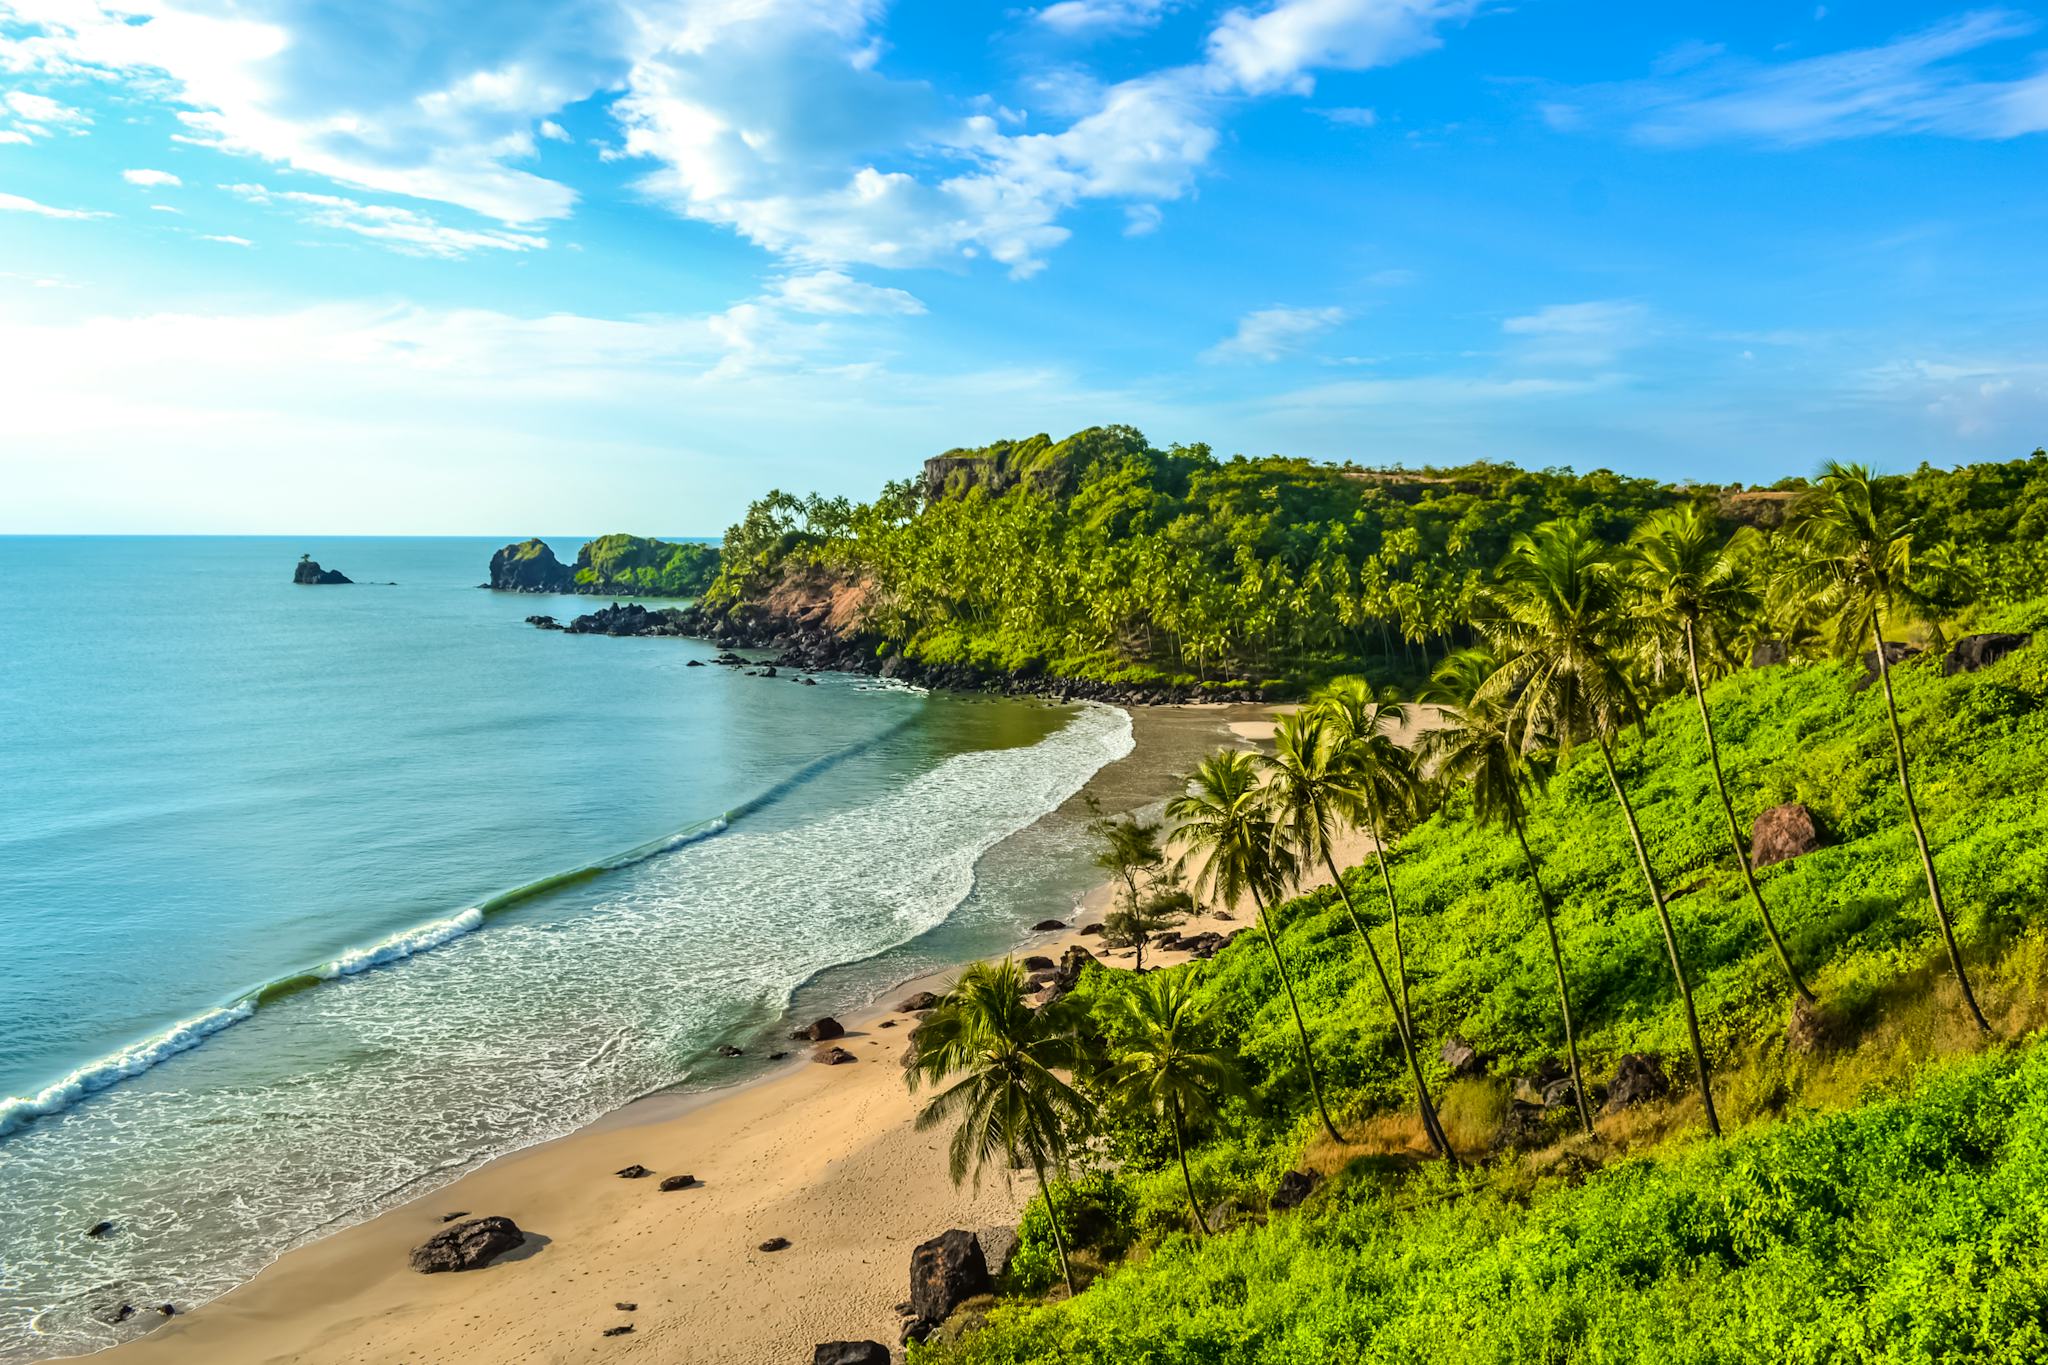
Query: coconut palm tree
[(999, 1061), (1555, 619), (1316, 785), (1365, 723), (1853, 569), (1227, 826), (1695, 589), (1481, 743), (1163, 1066)]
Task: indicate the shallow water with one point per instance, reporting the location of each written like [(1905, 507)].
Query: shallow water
[(218, 781)]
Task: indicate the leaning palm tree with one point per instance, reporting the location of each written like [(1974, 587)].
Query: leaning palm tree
[(1316, 784), (1227, 826), (1164, 1068), (1366, 722), (1481, 743), (1555, 619), (1692, 588), (1853, 568), (1005, 1099)]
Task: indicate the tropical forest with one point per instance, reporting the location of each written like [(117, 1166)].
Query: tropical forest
[(1684, 1004)]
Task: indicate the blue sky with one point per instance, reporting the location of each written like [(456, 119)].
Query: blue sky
[(362, 265)]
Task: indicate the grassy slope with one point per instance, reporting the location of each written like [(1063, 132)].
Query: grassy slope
[(1895, 1231)]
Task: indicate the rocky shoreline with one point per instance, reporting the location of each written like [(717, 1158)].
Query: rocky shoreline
[(805, 646)]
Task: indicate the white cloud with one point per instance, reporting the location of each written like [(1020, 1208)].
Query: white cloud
[(1915, 84), (1351, 118), (14, 203), (151, 180), (1277, 47), (1270, 333), (14, 135), (403, 230), (553, 131), (42, 109), (1587, 335), (228, 238), (834, 292), (1089, 17)]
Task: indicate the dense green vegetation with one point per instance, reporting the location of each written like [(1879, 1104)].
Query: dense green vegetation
[(1564, 852), (1103, 557), (640, 566)]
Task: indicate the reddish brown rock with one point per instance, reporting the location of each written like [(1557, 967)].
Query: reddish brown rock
[(1783, 833)]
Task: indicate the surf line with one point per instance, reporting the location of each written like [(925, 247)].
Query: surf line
[(18, 1111)]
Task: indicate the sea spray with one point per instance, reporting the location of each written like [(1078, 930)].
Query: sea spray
[(16, 1112)]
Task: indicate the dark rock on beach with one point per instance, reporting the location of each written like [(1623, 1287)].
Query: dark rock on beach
[(1973, 652), (944, 1273), (623, 1329), (775, 1244), (467, 1246), (833, 1056), (678, 1182), (634, 1172), (1037, 962), (627, 1307), (1072, 961), (309, 572), (1087, 930), (918, 1003), (728, 1050), (1783, 833), (451, 1217), (821, 1031), (850, 1353), (545, 623), (1046, 926)]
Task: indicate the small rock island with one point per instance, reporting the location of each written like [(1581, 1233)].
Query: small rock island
[(309, 571)]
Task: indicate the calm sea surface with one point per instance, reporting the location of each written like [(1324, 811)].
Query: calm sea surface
[(311, 898)]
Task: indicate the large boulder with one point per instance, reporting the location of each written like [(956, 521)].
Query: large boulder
[(1768, 653), (1462, 1058), (1895, 653), (1783, 833), (918, 1003), (998, 1245), (944, 1273), (850, 1353), (821, 1031), (530, 566), (469, 1245), (1072, 961), (309, 571), (1294, 1187), (1638, 1077), (1973, 652)]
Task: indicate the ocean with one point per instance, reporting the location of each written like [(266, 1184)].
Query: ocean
[(313, 898)]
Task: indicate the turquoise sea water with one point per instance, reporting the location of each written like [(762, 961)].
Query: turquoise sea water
[(272, 954)]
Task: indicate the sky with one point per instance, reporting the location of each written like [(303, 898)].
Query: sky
[(486, 266)]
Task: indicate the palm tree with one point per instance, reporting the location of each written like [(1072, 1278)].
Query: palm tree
[(1691, 585), (1005, 1097), (1853, 568), (1163, 1068), (1127, 848), (1383, 773), (1483, 745), (1555, 619), (1227, 825), (1315, 783)]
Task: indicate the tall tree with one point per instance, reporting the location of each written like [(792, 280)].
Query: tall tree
[(1483, 744), (1555, 618), (1165, 1065), (1127, 848), (1368, 724), (1853, 569), (1318, 785), (999, 1061), (1697, 590), (1227, 825)]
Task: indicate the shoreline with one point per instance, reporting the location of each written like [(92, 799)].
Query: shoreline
[(847, 1180)]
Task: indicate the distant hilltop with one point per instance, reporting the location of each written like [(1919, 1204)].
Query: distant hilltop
[(614, 565)]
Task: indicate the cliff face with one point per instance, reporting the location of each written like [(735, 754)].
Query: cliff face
[(530, 566)]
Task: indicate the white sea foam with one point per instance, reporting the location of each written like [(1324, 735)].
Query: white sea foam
[(401, 946), (115, 1067)]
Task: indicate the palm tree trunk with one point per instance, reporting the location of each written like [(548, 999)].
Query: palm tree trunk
[(1308, 1056), (1379, 853), (1564, 995), (1692, 1018), (1059, 1243), (1699, 693), (1180, 1150), (1948, 933), (1430, 1123)]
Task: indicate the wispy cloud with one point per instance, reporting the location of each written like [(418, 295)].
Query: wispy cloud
[(152, 180), (1577, 335), (400, 229), (1270, 333), (224, 237), (1090, 17), (1919, 83), (15, 203), (37, 115)]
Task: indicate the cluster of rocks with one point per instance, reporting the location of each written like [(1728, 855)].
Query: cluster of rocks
[(1966, 655), (1203, 945), (619, 619)]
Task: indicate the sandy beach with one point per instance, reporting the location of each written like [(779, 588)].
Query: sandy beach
[(824, 1156)]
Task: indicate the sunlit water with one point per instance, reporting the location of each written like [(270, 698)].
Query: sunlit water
[(272, 953)]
